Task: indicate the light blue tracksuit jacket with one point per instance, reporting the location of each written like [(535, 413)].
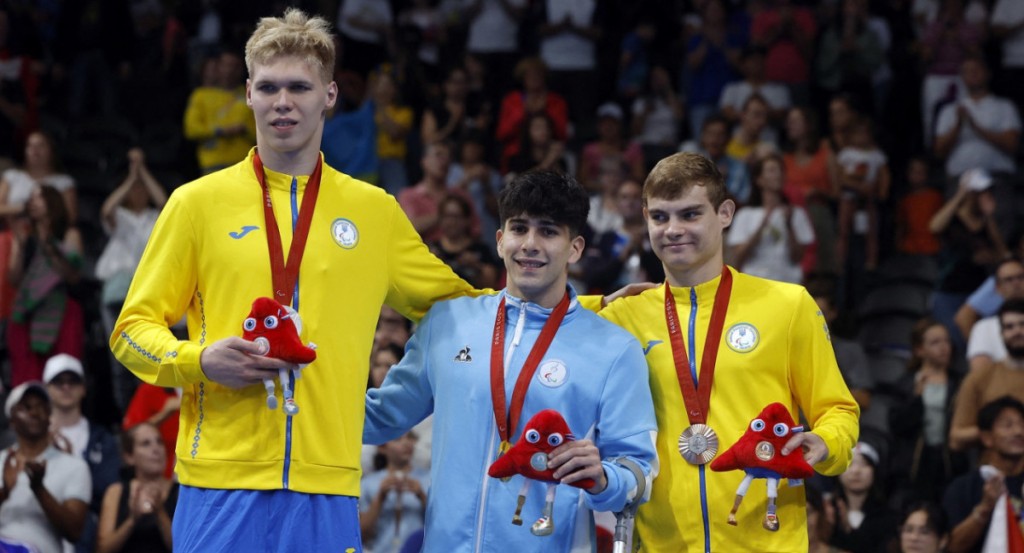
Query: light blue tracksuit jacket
[(593, 373)]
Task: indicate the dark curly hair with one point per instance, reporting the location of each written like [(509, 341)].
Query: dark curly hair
[(546, 194)]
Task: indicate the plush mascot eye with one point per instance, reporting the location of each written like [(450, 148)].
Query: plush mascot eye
[(757, 425), (780, 429), (249, 324), (532, 436), (555, 439), (270, 322)]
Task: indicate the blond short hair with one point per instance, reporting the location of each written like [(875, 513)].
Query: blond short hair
[(294, 34), (673, 176)]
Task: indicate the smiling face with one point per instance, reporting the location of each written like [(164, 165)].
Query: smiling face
[(537, 253), (289, 101), (686, 235), (30, 417)]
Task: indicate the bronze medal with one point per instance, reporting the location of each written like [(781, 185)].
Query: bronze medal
[(765, 451), (698, 444)]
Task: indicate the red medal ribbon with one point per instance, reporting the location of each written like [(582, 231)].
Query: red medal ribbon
[(697, 398), (507, 423), (285, 275)]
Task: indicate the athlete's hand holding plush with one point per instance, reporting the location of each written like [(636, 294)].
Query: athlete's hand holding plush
[(545, 431), (759, 453), (276, 329)]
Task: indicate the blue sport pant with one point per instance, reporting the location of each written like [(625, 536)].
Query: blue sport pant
[(207, 520)]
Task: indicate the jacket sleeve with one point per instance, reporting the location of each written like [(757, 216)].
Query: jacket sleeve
[(162, 289), (405, 397), (417, 277), (626, 427), (819, 387)]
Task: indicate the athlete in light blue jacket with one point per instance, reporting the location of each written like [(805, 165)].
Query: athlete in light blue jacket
[(593, 373)]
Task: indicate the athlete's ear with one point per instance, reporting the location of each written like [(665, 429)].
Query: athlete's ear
[(726, 211), (577, 244), (332, 94)]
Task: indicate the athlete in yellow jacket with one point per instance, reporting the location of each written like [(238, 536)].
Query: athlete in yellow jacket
[(209, 258), (774, 346)]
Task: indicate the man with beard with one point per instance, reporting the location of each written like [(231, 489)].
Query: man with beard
[(987, 383)]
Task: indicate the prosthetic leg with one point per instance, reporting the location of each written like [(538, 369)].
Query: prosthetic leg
[(771, 520), (517, 518), (741, 492), (545, 525)]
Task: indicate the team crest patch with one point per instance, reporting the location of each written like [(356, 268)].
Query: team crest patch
[(552, 373), (345, 233), (742, 337)]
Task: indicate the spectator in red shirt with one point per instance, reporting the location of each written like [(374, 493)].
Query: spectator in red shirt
[(916, 210), (533, 98), (787, 32)]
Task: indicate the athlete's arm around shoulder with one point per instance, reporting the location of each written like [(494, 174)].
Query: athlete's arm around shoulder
[(817, 384), (626, 306), (416, 277)]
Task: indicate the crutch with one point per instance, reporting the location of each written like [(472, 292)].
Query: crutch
[(624, 519)]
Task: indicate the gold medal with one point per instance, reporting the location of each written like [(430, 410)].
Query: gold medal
[(765, 451), (698, 444), (503, 449)]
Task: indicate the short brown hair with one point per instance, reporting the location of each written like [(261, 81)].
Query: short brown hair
[(293, 34), (673, 176)]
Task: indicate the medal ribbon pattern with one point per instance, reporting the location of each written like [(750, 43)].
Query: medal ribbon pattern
[(507, 423)]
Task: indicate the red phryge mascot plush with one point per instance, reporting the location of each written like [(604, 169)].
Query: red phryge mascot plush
[(529, 457), (759, 454), (276, 328)]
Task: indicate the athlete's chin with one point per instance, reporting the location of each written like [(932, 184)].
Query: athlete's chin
[(286, 143), (677, 260)]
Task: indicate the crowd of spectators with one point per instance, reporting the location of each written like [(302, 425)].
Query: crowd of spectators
[(873, 148)]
